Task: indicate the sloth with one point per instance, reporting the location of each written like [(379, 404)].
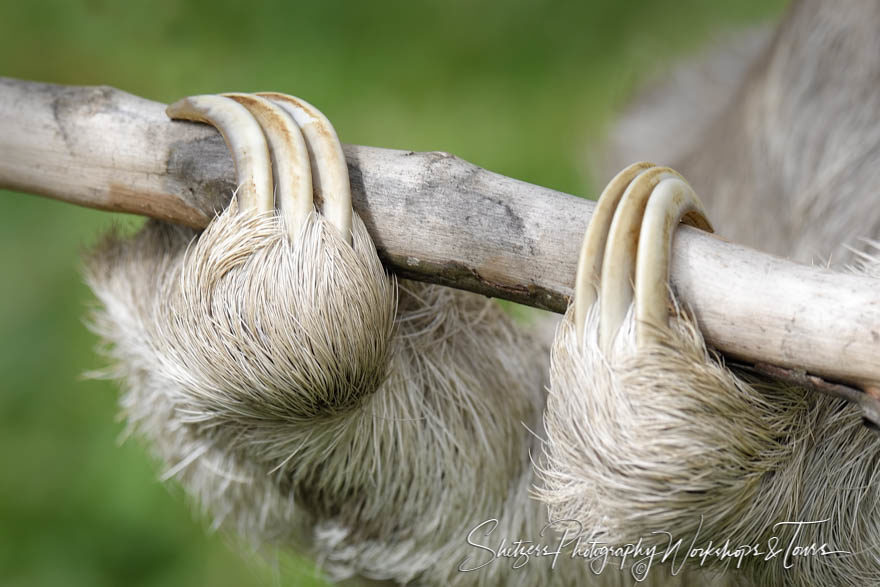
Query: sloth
[(306, 399), (647, 430)]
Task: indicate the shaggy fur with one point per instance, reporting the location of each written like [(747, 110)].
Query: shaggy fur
[(382, 461), (651, 440), (291, 423), (666, 439), (189, 343), (376, 477)]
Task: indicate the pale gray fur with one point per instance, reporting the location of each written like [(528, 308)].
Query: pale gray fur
[(382, 481), (384, 476), (666, 439), (790, 166), (386, 484)]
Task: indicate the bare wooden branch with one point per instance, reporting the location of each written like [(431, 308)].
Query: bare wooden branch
[(437, 218)]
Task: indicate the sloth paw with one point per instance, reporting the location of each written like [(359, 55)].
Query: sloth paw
[(646, 430), (233, 345), (278, 311)]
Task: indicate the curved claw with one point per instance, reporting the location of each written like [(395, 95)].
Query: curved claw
[(627, 245), (293, 179), (671, 202), (329, 170), (593, 247), (618, 264), (245, 140)]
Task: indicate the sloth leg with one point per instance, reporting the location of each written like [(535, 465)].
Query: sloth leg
[(646, 430)]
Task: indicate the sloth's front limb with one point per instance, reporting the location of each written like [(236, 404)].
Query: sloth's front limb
[(646, 431), (650, 435), (267, 365)]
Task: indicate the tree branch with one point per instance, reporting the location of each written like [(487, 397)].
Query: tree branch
[(439, 219)]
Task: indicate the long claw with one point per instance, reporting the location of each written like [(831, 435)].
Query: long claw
[(671, 202), (329, 169), (293, 179), (245, 140), (618, 264), (593, 247)]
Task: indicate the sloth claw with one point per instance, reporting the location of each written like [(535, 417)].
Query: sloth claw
[(627, 247)]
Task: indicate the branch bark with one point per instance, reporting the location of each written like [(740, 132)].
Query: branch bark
[(440, 219)]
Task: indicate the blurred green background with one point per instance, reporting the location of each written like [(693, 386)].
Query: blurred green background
[(523, 88)]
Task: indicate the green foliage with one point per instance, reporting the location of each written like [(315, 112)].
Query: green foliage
[(520, 87)]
